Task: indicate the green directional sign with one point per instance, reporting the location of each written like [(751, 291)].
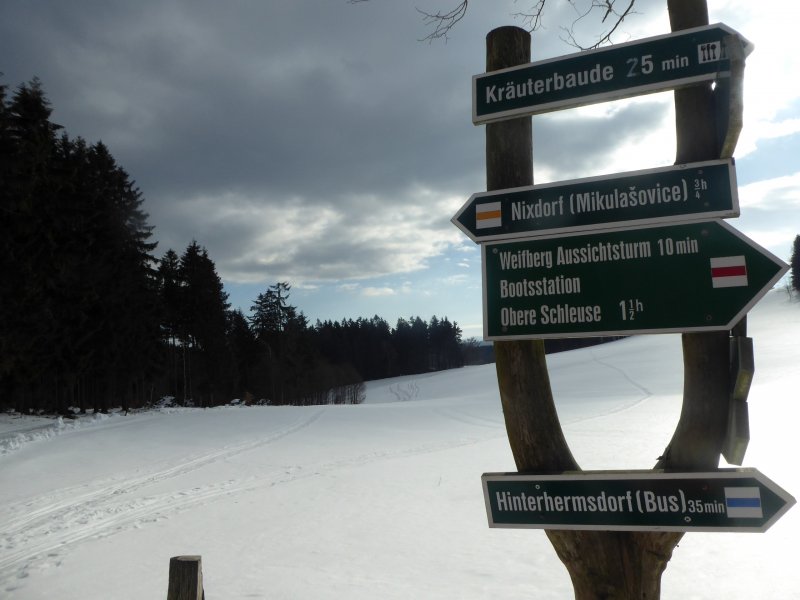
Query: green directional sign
[(640, 67), (677, 193), (654, 279), (726, 500)]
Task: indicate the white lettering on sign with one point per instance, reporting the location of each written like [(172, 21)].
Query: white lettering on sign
[(603, 252), (642, 502), (525, 259), (510, 317), (544, 502), (553, 83), (565, 314), (545, 286), (522, 210), (595, 201), (589, 253)]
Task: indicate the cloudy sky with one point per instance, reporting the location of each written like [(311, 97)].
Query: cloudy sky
[(320, 142)]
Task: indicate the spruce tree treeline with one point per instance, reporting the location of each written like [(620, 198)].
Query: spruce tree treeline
[(90, 318), (79, 322)]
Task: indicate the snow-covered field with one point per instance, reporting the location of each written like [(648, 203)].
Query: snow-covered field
[(381, 500)]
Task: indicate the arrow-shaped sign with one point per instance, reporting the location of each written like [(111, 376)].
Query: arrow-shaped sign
[(725, 500), (654, 279), (640, 67), (677, 193)]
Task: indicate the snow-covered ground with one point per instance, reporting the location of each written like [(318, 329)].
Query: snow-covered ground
[(381, 500)]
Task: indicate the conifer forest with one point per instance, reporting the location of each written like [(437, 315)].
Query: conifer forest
[(94, 317)]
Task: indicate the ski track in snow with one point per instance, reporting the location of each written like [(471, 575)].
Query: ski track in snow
[(40, 531), (46, 525), (14, 439), (646, 393), (463, 416), (628, 378), (36, 532)]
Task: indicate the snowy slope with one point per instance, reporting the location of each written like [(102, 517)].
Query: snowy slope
[(381, 500)]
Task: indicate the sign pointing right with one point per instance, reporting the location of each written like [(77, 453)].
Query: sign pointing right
[(640, 67), (724, 500), (689, 277)]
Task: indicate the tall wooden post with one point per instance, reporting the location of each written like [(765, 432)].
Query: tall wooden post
[(698, 440), (534, 431), (609, 565), (622, 565)]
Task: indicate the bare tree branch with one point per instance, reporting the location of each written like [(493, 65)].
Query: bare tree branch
[(609, 8), (532, 20), (442, 23)]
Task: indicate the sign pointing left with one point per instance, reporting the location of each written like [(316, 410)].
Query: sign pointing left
[(662, 195)]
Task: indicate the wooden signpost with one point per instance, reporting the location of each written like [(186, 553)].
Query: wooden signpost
[(633, 252)]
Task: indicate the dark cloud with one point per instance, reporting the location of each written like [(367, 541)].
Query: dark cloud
[(300, 140)]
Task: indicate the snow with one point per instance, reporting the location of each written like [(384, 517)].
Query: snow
[(381, 500)]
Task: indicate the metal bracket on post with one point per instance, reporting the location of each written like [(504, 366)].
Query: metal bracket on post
[(728, 97), (729, 106), (742, 370)]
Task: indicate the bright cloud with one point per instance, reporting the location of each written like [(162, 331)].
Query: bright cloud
[(780, 193), (374, 292)]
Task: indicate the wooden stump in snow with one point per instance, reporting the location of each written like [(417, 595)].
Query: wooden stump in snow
[(185, 578)]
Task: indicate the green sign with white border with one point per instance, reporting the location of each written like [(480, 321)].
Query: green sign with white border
[(685, 192), (742, 500), (620, 71), (653, 279)]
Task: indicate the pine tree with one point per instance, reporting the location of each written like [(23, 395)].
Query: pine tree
[(244, 353), (286, 345), (271, 312), (77, 266), (445, 344), (125, 301), (204, 305), (169, 288), (29, 221)]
